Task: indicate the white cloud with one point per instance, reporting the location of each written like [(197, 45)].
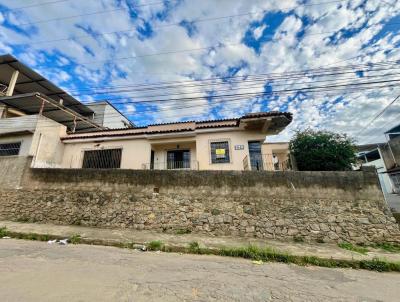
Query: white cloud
[(258, 31), (316, 24)]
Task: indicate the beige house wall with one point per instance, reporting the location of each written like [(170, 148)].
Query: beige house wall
[(47, 148), (235, 138), (135, 152)]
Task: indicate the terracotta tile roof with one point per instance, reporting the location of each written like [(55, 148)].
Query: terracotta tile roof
[(186, 126)]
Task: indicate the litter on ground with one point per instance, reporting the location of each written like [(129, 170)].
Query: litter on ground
[(60, 242)]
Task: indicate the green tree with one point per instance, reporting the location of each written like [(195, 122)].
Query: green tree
[(322, 151)]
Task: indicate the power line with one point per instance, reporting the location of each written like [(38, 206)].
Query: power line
[(266, 93), (268, 76), (313, 90), (90, 14), (236, 101), (220, 44), (91, 35), (35, 5), (204, 87), (379, 114), (194, 21)]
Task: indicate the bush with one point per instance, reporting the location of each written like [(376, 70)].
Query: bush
[(3, 232), (75, 239), (155, 245), (194, 247), (322, 151)]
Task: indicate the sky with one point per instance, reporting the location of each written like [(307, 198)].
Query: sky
[(163, 61)]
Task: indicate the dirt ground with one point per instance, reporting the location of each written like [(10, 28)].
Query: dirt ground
[(37, 271)]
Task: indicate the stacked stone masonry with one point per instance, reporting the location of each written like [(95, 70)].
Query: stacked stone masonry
[(309, 206)]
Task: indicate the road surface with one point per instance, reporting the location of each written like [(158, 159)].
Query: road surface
[(37, 271)]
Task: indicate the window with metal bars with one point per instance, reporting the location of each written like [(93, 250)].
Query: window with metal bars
[(220, 152), (102, 159), (10, 149)]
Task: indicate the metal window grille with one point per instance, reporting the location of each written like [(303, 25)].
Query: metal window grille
[(3, 88), (10, 149), (102, 159), (220, 152)]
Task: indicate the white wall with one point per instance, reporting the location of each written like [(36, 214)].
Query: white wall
[(383, 177), (107, 116), (46, 147)]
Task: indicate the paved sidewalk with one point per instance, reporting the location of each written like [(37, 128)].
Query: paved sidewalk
[(323, 250)]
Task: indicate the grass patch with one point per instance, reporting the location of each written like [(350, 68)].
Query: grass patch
[(194, 247), (183, 231), (389, 247), (75, 239), (3, 232), (353, 248), (264, 254), (155, 245)]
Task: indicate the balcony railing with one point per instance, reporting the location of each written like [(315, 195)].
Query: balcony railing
[(172, 165), (267, 162)]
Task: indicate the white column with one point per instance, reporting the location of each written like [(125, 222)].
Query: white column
[(13, 81)]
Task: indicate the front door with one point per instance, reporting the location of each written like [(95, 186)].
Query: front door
[(256, 161), (178, 159), (152, 160)]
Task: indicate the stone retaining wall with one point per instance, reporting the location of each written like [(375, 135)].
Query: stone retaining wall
[(310, 206)]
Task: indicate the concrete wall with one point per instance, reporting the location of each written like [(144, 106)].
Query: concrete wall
[(12, 169), (47, 147), (327, 206)]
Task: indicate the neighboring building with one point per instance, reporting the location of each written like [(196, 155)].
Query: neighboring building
[(35, 113), (370, 155), (384, 157), (39, 119), (391, 156), (106, 115)]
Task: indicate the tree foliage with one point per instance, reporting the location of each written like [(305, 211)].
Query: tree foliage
[(322, 151)]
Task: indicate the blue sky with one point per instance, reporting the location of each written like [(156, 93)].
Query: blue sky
[(85, 46)]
